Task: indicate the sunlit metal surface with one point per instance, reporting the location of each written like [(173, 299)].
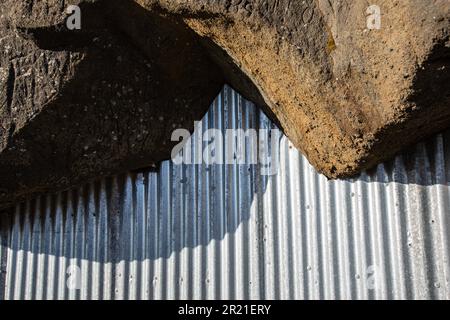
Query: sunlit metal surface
[(228, 232)]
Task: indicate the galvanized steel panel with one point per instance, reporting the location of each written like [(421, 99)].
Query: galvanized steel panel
[(228, 232)]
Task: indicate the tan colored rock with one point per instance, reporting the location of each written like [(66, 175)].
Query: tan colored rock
[(342, 93)]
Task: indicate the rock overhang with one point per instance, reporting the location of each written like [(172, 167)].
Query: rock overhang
[(80, 104)]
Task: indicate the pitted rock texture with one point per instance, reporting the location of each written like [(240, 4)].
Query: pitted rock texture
[(75, 105)]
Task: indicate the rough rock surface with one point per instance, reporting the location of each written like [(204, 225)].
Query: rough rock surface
[(79, 104), (97, 102)]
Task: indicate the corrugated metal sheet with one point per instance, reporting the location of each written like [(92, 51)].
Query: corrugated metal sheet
[(228, 232)]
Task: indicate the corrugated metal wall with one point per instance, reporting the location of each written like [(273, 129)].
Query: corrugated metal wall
[(228, 232)]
